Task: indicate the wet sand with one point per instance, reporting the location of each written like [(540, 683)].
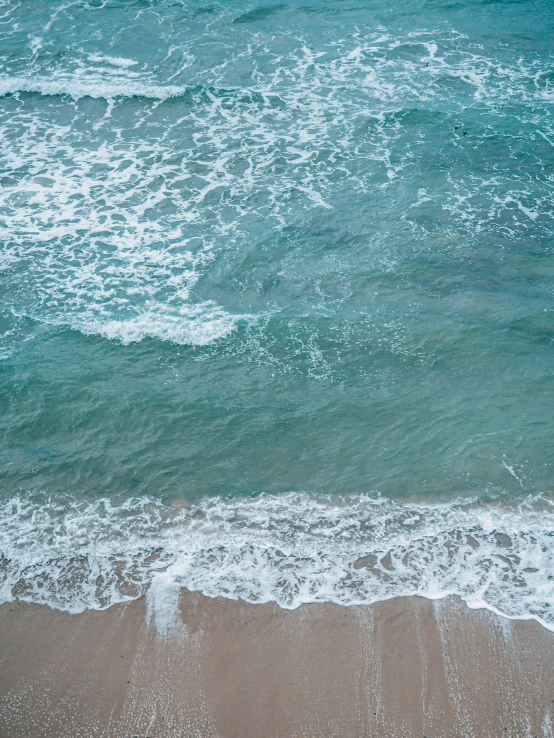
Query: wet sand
[(407, 667)]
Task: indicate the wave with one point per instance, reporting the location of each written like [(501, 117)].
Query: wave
[(117, 85), (290, 549), (192, 325), (198, 326), (97, 88)]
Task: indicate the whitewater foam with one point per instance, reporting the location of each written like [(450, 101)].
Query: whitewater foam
[(97, 87), (196, 325), (114, 226), (290, 549)]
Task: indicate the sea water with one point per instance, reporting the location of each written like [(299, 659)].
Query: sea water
[(277, 294)]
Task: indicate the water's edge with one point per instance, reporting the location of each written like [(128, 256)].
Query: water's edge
[(290, 549)]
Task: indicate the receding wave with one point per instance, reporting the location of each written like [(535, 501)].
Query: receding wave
[(291, 549)]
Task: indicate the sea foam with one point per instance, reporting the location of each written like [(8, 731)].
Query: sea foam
[(116, 207), (77, 87), (289, 549)]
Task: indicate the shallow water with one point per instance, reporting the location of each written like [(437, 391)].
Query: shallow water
[(295, 258)]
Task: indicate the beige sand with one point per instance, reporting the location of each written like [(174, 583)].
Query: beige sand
[(408, 667)]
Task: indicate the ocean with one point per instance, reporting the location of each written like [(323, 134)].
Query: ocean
[(277, 302)]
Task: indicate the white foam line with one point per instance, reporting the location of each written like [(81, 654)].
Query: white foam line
[(115, 61), (94, 88), (291, 549), (545, 137)]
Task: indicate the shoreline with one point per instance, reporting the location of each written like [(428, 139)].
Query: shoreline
[(404, 667), (291, 549)]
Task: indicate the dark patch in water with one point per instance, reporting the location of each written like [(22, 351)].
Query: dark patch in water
[(258, 14)]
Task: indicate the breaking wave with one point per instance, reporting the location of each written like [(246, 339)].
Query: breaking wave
[(291, 549), (88, 87)]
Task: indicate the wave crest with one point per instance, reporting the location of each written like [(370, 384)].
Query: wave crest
[(97, 88)]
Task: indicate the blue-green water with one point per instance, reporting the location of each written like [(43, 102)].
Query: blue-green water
[(278, 279)]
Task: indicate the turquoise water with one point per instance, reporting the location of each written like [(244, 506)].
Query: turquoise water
[(287, 263)]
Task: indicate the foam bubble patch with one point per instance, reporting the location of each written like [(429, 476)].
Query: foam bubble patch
[(290, 549)]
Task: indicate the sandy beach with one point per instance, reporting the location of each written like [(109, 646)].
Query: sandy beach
[(406, 667)]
